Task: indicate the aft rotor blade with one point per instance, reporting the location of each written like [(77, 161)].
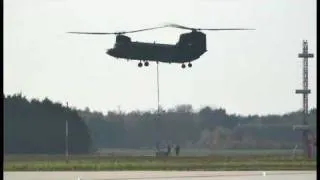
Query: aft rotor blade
[(179, 26), (123, 32), (224, 29)]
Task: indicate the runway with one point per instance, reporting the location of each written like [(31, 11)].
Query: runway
[(162, 175)]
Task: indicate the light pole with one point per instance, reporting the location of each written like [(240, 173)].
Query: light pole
[(158, 126), (66, 140)]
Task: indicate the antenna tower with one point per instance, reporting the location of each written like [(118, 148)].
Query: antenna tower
[(305, 92)]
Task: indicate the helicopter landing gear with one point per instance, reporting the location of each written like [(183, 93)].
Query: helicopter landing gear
[(184, 66), (140, 64), (146, 63)]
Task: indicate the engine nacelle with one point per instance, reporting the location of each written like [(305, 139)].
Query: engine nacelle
[(194, 40)]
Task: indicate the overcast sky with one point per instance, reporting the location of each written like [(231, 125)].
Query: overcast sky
[(245, 72)]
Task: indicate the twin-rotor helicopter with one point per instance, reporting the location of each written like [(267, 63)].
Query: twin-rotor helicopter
[(189, 47)]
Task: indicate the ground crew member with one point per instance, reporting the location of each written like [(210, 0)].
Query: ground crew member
[(169, 149), (177, 150)]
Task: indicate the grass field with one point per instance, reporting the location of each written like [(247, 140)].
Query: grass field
[(98, 163)]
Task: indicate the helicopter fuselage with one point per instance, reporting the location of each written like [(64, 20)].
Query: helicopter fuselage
[(189, 48)]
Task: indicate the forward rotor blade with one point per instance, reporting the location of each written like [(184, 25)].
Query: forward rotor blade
[(146, 29), (123, 32), (206, 29), (94, 33)]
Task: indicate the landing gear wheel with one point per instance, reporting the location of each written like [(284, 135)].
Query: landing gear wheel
[(183, 66), (140, 64), (146, 63), (189, 65)]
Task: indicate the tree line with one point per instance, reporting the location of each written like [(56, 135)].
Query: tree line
[(39, 127), (207, 128)]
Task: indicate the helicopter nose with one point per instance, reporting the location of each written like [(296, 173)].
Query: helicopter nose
[(110, 51)]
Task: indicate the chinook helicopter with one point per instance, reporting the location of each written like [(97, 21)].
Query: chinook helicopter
[(189, 47)]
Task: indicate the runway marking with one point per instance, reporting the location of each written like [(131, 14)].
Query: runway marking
[(204, 176)]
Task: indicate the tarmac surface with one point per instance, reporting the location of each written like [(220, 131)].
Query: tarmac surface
[(161, 175)]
